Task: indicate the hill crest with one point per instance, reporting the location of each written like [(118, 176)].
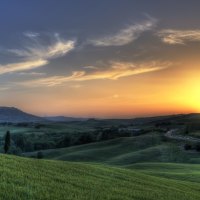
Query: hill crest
[(15, 115)]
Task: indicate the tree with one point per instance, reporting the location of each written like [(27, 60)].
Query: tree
[(20, 141), (187, 147), (40, 155), (7, 142), (197, 147), (85, 138), (65, 142)]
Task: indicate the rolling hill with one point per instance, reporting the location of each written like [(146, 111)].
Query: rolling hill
[(14, 115), (64, 119), (125, 151), (23, 178)]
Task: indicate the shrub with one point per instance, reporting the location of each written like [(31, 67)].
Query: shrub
[(40, 155), (197, 147), (187, 147)]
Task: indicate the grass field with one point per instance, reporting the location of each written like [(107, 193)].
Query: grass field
[(176, 171), (144, 167), (24, 179), (125, 151)]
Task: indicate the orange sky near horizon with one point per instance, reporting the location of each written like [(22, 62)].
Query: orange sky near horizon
[(138, 58), (168, 91)]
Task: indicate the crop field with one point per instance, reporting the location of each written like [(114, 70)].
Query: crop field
[(24, 178), (145, 166), (124, 151)]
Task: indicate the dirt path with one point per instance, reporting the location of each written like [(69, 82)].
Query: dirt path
[(172, 134)]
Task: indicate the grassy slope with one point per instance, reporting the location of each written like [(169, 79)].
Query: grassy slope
[(124, 151), (174, 171), (24, 179)]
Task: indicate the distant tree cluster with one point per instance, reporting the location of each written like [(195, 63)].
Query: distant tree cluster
[(192, 127), (36, 142), (189, 146)]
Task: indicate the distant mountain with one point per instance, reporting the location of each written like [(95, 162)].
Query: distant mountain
[(14, 115), (64, 119)]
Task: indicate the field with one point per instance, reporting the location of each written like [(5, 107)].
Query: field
[(146, 165), (149, 147), (184, 172), (24, 178)]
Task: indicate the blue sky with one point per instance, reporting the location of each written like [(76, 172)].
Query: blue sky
[(97, 58)]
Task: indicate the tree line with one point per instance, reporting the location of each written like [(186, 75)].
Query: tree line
[(20, 143)]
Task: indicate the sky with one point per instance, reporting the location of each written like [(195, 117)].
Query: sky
[(106, 59)]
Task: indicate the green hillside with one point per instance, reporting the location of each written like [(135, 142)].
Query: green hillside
[(125, 151), (188, 172), (24, 179)]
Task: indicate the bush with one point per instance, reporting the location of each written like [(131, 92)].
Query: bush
[(187, 147), (40, 155), (197, 147), (85, 138)]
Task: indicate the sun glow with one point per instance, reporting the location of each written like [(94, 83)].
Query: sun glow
[(193, 96)]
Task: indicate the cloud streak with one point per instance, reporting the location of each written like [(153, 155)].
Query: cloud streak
[(173, 37), (37, 55), (126, 35), (21, 66), (116, 70), (57, 49), (31, 34)]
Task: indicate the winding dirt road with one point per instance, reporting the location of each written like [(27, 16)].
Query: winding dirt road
[(172, 134)]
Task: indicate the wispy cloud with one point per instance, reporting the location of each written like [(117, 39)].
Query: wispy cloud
[(4, 88), (21, 66), (116, 70), (126, 35), (36, 50), (170, 36), (32, 73), (31, 34), (76, 86), (36, 55), (90, 67)]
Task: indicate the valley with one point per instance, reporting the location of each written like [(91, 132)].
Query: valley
[(102, 159)]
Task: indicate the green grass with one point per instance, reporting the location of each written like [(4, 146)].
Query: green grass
[(24, 179), (124, 151), (185, 172)]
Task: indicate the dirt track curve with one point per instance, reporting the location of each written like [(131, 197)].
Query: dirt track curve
[(172, 135)]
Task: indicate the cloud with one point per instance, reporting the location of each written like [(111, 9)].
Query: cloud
[(21, 66), (36, 55), (57, 49), (32, 73), (4, 88), (126, 35), (31, 34), (77, 86), (170, 36), (116, 70), (90, 67)]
